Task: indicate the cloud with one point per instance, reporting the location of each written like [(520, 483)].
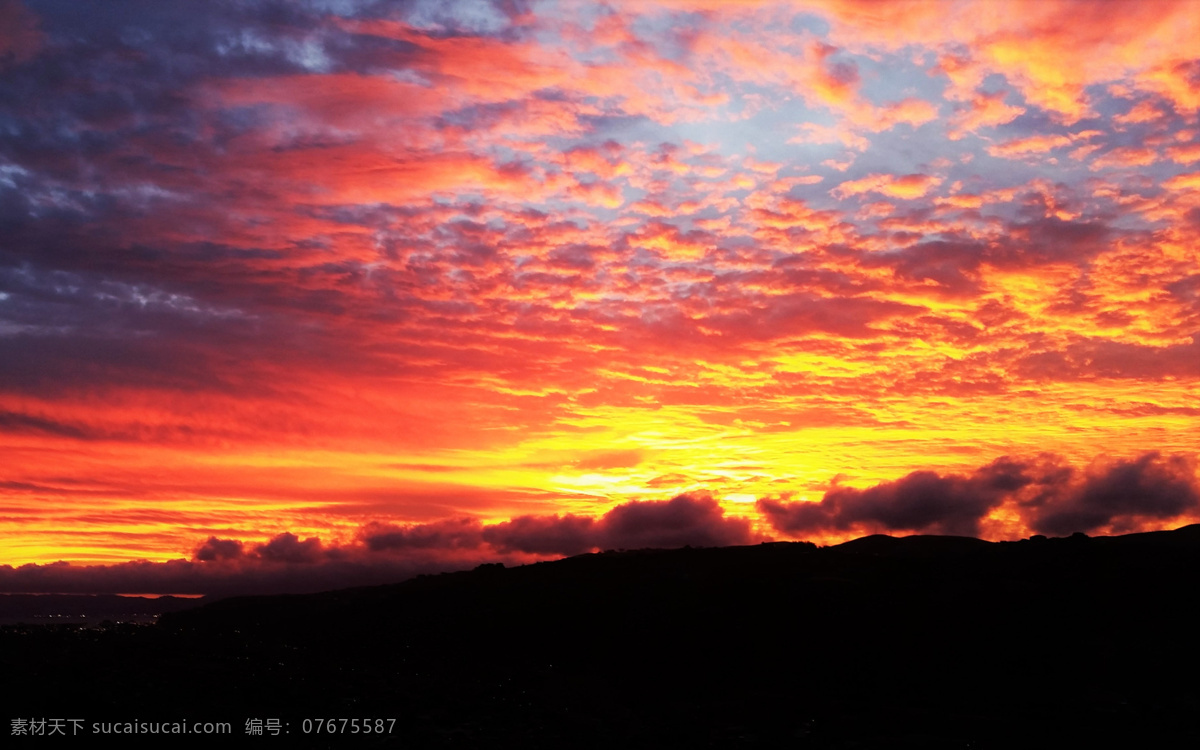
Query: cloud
[(1177, 80), (1185, 154), (544, 535), (1088, 358), (833, 82), (811, 132), (1186, 181), (23, 423), (19, 35), (219, 549), (983, 110), (384, 552), (684, 520), (388, 553), (1127, 156), (921, 501), (611, 460), (1118, 495), (1034, 144), (1046, 493), (1143, 111), (905, 187), (911, 111), (1049, 50), (462, 533), (287, 548)]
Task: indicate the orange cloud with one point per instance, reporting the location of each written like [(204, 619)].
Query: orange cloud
[(1050, 50), (983, 110), (963, 200), (1143, 111), (1186, 154), (1188, 181), (914, 112), (906, 187), (1178, 80), (1128, 156)]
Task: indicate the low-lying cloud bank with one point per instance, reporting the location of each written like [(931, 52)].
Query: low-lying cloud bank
[(687, 519), (1044, 494), (385, 553), (1047, 495)]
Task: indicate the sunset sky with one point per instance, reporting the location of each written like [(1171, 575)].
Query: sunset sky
[(328, 292)]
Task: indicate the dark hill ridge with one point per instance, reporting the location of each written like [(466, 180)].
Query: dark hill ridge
[(879, 642), (914, 546)]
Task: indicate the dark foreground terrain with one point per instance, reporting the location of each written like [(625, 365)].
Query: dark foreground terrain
[(921, 642)]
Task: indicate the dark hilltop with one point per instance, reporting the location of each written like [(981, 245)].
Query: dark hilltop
[(921, 642)]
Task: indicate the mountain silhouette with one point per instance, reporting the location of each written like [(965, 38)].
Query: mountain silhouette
[(919, 641)]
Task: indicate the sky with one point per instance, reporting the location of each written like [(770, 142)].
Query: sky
[(302, 294)]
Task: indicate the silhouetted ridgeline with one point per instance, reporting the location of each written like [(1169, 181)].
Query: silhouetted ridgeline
[(880, 642)]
